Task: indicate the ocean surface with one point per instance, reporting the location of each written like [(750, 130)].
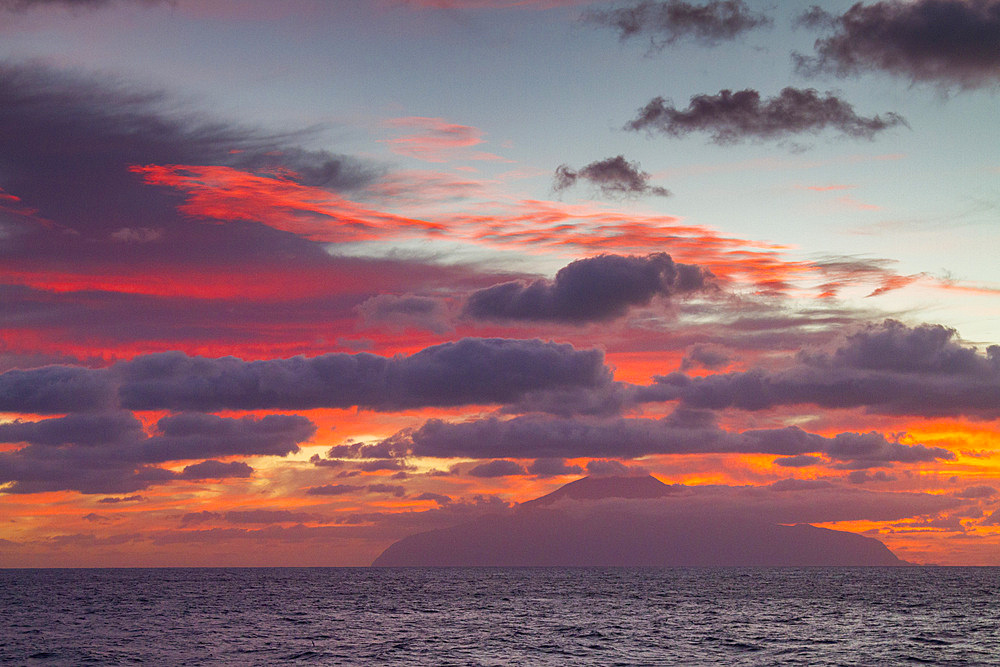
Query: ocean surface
[(484, 616)]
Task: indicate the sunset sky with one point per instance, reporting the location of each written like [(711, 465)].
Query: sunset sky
[(284, 282)]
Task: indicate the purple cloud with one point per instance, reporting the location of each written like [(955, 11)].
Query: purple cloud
[(588, 290), (668, 21), (614, 177), (940, 41), (731, 118), (888, 368)]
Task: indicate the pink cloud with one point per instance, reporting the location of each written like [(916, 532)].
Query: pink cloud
[(436, 140)]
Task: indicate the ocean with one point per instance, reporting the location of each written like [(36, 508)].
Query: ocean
[(494, 616)]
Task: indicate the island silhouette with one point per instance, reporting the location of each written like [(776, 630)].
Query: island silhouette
[(619, 521)]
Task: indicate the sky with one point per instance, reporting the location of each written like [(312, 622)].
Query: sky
[(283, 283)]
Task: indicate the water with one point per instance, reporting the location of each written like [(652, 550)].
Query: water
[(483, 616)]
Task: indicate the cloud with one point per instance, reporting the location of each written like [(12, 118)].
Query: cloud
[(602, 468), (54, 389), (614, 177), (440, 499), (497, 468), (407, 311), (798, 461), (705, 356), (685, 431), (332, 490), (114, 500), (467, 372), (391, 489), (863, 476), (552, 467), (886, 368), (436, 140), (948, 42), (110, 453), (216, 470), (667, 22), (735, 117), (588, 290), (980, 491)]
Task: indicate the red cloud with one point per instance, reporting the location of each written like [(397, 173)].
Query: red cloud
[(228, 194)]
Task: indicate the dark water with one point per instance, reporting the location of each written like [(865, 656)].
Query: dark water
[(549, 616)]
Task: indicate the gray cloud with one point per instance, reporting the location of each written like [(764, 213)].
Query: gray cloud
[(614, 177), (401, 312), (465, 372), (669, 21), (111, 453), (552, 467), (683, 432), (497, 468), (731, 118), (588, 290), (332, 490), (216, 470), (887, 368), (54, 389), (947, 42)]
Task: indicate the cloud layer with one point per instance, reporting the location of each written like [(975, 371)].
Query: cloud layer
[(888, 368)]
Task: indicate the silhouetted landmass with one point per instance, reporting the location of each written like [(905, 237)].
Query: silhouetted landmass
[(542, 533)]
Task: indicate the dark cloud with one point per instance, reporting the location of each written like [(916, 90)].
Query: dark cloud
[(216, 470), (465, 372), (497, 468), (85, 430), (115, 500), (602, 468), (949, 42), (332, 489), (800, 484), (705, 356), (683, 432), (887, 368), (614, 177), (798, 461), (730, 117), (440, 499), (54, 389), (666, 22), (111, 453), (80, 217), (391, 489), (589, 290), (402, 312), (980, 491), (863, 476), (552, 467)]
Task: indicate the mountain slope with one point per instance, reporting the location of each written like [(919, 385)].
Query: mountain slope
[(543, 532)]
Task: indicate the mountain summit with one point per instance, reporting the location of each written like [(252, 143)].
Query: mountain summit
[(624, 521)]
